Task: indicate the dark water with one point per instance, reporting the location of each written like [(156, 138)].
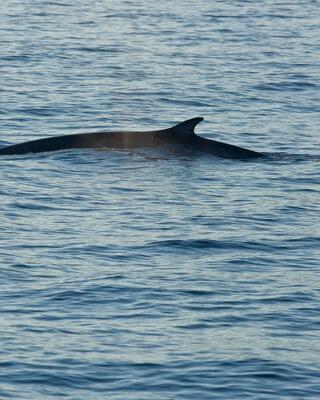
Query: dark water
[(147, 275)]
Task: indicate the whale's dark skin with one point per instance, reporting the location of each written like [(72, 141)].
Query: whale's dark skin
[(181, 135)]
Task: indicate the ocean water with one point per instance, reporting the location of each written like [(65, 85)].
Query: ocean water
[(144, 275)]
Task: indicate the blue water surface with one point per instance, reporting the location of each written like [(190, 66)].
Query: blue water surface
[(147, 275)]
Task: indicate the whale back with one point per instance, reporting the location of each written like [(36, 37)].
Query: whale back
[(179, 136)]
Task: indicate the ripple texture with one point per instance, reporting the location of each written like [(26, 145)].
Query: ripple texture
[(149, 275)]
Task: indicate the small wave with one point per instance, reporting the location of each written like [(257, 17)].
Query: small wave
[(109, 49), (290, 157), (209, 244), (285, 86)]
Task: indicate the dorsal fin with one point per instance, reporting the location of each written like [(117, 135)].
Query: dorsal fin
[(187, 127)]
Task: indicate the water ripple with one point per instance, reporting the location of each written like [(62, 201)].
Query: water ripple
[(147, 275)]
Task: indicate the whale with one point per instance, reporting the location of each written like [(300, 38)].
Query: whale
[(180, 136)]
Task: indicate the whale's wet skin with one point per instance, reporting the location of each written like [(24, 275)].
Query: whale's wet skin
[(162, 272), (179, 135)]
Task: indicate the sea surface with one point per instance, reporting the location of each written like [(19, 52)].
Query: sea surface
[(148, 275)]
